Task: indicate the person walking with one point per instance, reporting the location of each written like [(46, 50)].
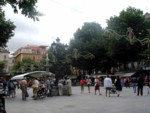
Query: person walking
[(140, 84), (97, 85), (108, 85), (127, 82), (60, 87), (23, 87), (69, 86), (48, 86), (35, 87), (11, 88), (118, 85), (134, 84), (82, 83), (88, 82)]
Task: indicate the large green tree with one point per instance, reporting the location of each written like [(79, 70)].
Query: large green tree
[(27, 8), (26, 65), (131, 17), (121, 49), (59, 60), (6, 29), (88, 40)]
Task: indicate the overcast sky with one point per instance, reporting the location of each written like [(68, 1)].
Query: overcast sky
[(63, 17)]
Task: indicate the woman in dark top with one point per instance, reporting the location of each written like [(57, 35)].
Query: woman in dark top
[(140, 84), (118, 85)]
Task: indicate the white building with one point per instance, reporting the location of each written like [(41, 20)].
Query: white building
[(4, 56)]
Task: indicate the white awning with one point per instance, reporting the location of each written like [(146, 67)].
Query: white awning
[(127, 75), (31, 74)]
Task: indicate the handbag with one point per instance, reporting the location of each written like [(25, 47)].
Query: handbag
[(26, 94)]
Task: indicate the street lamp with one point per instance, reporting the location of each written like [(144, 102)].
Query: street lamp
[(47, 63), (58, 57)]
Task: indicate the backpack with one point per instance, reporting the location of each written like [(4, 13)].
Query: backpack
[(11, 85)]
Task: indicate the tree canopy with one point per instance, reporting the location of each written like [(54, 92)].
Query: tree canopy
[(121, 50), (6, 29), (27, 8), (116, 49)]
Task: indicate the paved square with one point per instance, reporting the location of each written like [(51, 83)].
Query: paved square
[(128, 102)]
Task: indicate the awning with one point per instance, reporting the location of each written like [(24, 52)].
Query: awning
[(31, 74), (127, 75)]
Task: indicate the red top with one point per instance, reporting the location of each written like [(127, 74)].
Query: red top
[(82, 82)]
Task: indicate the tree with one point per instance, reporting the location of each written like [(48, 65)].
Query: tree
[(27, 7), (26, 65), (60, 63), (88, 42), (6, 29), (131, 17), (121, 50), (2, 65)]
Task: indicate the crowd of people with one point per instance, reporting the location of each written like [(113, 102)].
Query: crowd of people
[(115, 85), (47, 86), (40, 87)]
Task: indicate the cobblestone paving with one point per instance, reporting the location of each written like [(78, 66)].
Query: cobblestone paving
[(128, 102)]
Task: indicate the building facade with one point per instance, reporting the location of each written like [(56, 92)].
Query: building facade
[(4, 57), (32, 51)]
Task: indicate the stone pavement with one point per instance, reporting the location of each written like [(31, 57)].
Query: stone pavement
[(128, 102)]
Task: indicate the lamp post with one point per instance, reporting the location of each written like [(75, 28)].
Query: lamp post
[(57, 60), (47, 63)]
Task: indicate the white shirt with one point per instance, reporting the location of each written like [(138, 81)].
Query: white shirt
[(69, 83), (36, 84), (88, 81), (107, 82)]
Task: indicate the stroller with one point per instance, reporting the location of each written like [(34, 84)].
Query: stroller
[(113, 89), (41, 93)]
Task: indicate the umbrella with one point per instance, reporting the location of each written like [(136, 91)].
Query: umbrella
[(141, 73), (31, 74)]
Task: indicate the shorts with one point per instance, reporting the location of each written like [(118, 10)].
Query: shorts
[(89, 85), (97, 87), (108, 88)]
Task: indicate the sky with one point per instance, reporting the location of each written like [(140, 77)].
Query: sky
[(63, 17)]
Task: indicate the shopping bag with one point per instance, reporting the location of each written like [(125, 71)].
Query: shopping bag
[(26, 94)]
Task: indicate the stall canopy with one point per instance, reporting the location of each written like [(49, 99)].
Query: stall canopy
[(31, 74), (127, 75)]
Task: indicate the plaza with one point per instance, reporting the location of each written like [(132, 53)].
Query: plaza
[(128, 102)]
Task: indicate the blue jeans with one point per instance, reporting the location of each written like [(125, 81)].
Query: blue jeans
[(134, 87)]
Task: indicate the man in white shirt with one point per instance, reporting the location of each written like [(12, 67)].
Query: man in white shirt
[(69, 86), (35, 87), (108, 84)]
